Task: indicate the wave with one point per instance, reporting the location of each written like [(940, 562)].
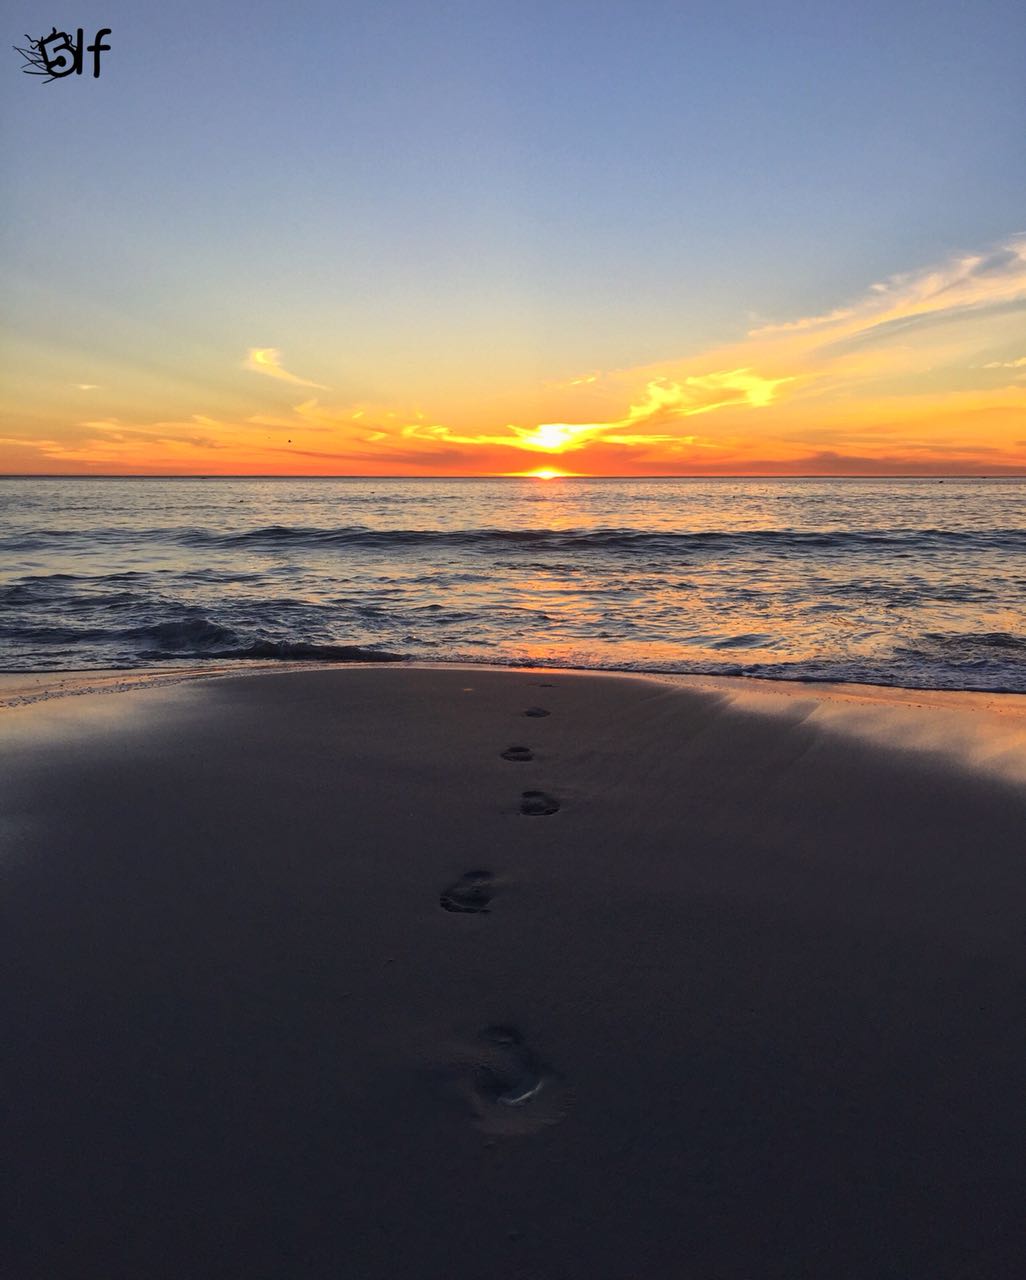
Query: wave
[(293, 650), (970, 644), (198, 636), (994, 661), (193, 636), (608, 539)]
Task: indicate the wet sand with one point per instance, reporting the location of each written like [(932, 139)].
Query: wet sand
[(459, 973)]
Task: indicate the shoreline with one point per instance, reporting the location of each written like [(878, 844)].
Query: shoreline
[(978, 729), (18, 688)]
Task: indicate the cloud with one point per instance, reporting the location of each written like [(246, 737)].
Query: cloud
[(87, 386), (966, 283), (828, 462), (414, 458), (662, 401), (835, 317), (1006, 364), (266, 360)]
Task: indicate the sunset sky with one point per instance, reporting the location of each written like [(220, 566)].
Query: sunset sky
[(410, 238)]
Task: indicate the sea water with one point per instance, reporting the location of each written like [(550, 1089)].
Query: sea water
[(916, 582)]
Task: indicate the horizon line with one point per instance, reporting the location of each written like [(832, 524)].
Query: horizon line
[(739, 475)]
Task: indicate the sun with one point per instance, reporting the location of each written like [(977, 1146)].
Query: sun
[(543, 473)]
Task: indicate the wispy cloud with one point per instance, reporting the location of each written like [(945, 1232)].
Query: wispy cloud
[(1006, 364), (267, 360), (967, 282)]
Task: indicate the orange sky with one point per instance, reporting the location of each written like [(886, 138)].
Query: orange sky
[(923, 373)]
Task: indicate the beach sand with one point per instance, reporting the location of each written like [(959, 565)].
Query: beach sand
[(305, 976)]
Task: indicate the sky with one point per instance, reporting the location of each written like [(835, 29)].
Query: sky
[(478, 238)]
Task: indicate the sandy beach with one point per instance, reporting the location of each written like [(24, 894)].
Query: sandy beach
[(457, 973)]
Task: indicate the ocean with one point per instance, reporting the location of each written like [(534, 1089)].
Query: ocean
[(914, 582)]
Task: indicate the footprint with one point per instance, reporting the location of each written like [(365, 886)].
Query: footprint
[(536, 711), (509, 1073), (509, 1089), (519, 754), (471, 892), (536, 804)]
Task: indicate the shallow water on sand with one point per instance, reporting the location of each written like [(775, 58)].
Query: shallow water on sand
[(915, 582)]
